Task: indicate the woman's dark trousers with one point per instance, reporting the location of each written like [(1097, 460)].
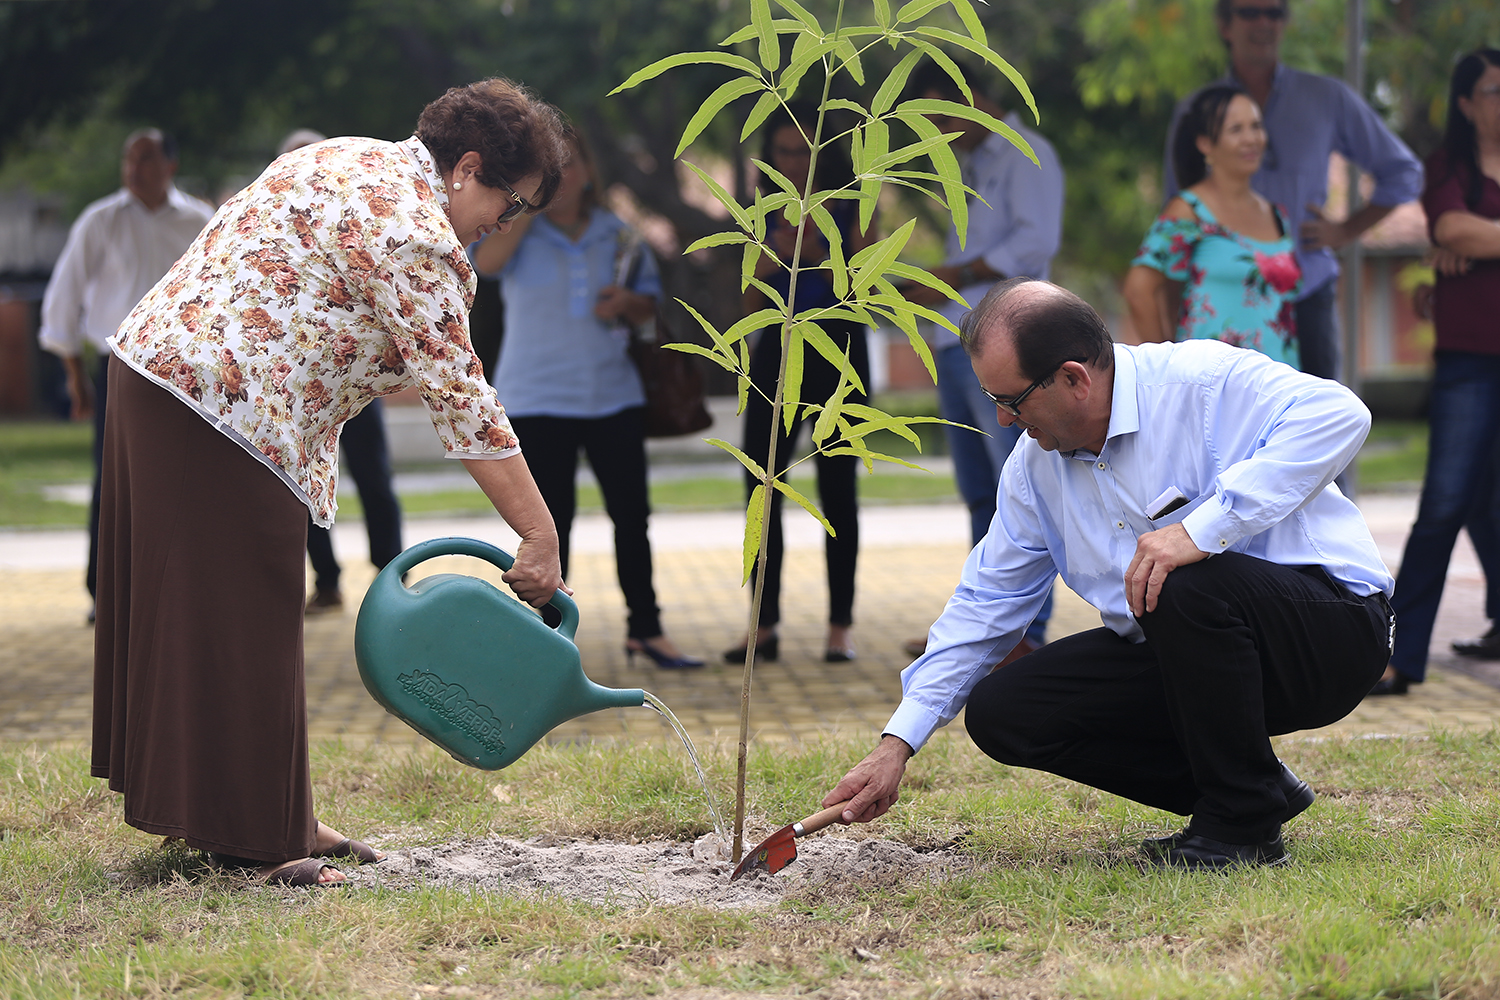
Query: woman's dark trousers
[(837, 491), (616, 449), (1238, 650)]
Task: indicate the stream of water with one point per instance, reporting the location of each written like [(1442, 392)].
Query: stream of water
[(653, 702)]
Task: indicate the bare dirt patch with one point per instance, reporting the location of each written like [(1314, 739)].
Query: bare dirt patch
[(654, 872)]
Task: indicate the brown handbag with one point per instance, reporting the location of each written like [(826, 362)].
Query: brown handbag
[(674, 387)]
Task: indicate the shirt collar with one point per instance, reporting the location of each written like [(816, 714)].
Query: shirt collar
[(1124, 406), (428, 171)]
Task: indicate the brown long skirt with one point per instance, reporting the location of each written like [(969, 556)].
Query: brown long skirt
[(200, 713)]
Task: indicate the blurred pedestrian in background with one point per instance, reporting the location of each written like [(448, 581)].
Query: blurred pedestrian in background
[(567, 381), (1307, 117), (119, 247), (1219, 263), (336, 277), (363, 447), (1462, 201), (784, 145), (1015, 231)]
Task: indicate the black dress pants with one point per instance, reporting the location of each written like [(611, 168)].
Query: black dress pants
[(838, 495), (616, 449), (369, 461), (1238, 650)]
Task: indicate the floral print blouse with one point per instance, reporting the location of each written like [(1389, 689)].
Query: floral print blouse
[(334, 278), (1237, 290)]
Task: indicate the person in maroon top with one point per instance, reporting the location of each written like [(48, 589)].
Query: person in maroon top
[(1462, 200)]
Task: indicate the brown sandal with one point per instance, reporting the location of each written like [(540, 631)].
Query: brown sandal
[(304, 873), (354, 849)]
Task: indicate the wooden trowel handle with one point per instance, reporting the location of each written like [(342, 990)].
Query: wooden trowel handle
[(819, 820)]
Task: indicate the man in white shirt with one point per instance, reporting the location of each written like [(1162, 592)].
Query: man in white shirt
[(1184, 490), (116, 251)]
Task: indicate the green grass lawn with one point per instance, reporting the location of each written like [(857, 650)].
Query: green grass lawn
[(1394, 890), (36, 454)]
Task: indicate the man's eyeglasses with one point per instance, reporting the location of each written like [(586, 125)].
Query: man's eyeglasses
[(517, 206), (1256, 13), (1013, 404)]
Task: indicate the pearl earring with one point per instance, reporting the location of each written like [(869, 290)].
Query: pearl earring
[(457, 185)]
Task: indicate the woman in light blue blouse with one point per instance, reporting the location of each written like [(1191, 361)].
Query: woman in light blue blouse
[(569, 384), (1219, 262)]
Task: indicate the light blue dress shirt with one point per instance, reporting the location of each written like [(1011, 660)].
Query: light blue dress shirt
[(1252, 443), (558, 359), (1017, 229), (1307, 117)]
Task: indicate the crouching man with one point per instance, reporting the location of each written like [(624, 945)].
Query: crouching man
[(1185, 491)]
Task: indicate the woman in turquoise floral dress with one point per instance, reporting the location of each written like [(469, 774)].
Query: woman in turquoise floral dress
[(1219, 262)]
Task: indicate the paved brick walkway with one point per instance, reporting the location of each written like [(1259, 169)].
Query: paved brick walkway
[(908, 565)]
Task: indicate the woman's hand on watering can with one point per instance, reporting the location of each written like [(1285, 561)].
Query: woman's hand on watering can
[(537, 573)]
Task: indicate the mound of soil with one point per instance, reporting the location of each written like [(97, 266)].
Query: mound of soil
[(651, 873)]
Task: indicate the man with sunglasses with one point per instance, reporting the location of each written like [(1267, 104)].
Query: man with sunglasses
[(1184, 491), (1307, 117)]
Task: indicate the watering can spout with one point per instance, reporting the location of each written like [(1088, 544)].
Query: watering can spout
[(473, 670)]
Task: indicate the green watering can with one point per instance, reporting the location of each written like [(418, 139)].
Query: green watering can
[(474, 670)]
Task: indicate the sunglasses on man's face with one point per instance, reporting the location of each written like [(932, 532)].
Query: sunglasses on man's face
[(517, 206), (1256, 13)]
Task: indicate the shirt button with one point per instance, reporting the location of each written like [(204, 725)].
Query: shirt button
[(1223, 542), (1119, 524), (1101, 465)]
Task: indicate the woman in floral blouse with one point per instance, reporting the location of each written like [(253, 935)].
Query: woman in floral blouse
[(337, 277), (1219, 263)]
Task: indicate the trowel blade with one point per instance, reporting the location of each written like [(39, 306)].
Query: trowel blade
[(772, 854)]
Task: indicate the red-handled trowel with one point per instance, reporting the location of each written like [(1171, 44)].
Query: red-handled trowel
[(780, 848)]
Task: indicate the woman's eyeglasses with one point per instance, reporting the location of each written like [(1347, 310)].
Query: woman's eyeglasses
[(517, 206)]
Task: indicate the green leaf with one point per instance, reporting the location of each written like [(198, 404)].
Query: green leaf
[(990, 56), (771, 294), (954, 109), (791, 386), (908, 153), (838, 103), (730, 91), (828, 420), (950, 175), (890, 89), (870, 263), (836, 265), (824, 345), (883, 14), (806, 50), (726, 363), (755, 516), (751, 465), (770, 48), (688, 59), (716, 240), (777, 176), (850, 60), (769, 101), (785, 488), (801, 14), (971, 21), (748, 261), (942, 58), (742, 385), (718, 338), (724, 197), (917, 9), (923, 277), (749, 324), (867, 455)]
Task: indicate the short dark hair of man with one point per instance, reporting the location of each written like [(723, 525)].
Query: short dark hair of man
[(1204, 117), (165, 140), (1047, 330), (1224, 10), (929, 76), (516, 134)]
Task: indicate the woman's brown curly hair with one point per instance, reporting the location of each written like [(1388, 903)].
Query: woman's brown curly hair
[(516, 134)]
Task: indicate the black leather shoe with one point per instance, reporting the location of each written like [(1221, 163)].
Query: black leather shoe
[(1196, 853), (1486, 647), (1395, 684), (765, 652), (1299, 795)]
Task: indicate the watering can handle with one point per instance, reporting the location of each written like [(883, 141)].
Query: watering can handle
[(432, 548)]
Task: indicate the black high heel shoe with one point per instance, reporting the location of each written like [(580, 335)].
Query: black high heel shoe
[(767, 651), (1390, 685), (661, 659)]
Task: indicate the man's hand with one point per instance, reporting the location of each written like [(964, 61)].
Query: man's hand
[(1319, 232), (924, 296), (1448, 263), (1157, 553), (873, 784), (80, 389)]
